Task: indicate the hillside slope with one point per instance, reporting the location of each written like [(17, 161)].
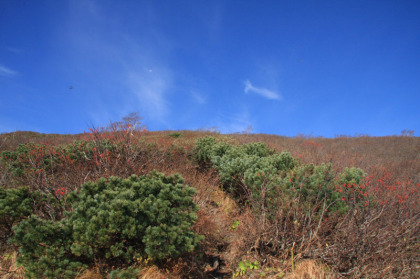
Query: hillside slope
[(243, 237)]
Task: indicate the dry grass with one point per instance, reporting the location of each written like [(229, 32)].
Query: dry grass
[(93, 273), (311, 269), (9, 268), (152, 273), (146, 273)]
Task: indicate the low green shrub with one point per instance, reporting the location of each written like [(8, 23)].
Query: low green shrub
[(148, 216), (45, 248), (175, 135), (115, 221), (257, 148), (316, 186), (257, 175), (15, 205), (203, 149)]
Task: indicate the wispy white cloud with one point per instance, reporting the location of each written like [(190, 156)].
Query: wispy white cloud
[(269, 94), (151, 91), (116, 55), (6, 72), (199, 98)]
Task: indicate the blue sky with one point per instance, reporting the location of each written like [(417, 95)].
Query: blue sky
[(324, 68)]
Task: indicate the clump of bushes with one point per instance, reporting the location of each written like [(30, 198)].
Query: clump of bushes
[(15, 205), (27, 156), (30, 157), (175, 135), (257, 175), (111, 221)]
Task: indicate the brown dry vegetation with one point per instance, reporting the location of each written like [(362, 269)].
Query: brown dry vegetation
[(381, 243)]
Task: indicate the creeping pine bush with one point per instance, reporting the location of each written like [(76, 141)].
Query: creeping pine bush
[(255, 172), (15, 205), (316, 186), (45, 248), (175, 135), (115, 221), (203, 150), (248, 171)]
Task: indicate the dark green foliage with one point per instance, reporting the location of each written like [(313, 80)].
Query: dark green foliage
[(175, 135), (250, 172), (115, 221), (45, 249), (204, 149), (129, 273), (147, 216), (253, 173), (316, 186), (258, 149), (15, 204), (352, 176), (235, 165), (20, 203)]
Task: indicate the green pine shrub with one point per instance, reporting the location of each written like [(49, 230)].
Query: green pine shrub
[(239, 167), (352, 176), (45, 248), (114, 221), (258, 149), (250, 172), (175, 135), (15, 205), (316, 186), (256, 175), (203, 149), (148, 216)]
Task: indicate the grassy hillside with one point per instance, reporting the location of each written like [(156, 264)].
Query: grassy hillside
[(257, 221)]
